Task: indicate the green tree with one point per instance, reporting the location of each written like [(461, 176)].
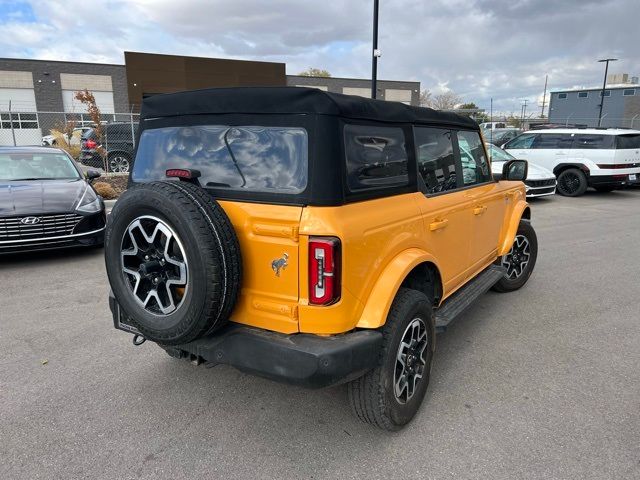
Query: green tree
[(314, 72)]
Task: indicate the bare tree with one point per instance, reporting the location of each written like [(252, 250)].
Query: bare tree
[(445, 101), (425, 98), (314, 72), (87, 98)]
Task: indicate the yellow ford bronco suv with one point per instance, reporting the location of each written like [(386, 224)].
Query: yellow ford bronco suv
[(312, 238)]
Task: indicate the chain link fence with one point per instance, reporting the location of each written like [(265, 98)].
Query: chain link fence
[(112, 150)]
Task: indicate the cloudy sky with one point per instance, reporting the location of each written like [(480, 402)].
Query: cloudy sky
[(480, 49)]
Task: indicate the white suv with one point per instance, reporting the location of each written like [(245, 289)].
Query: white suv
[(604, 159)]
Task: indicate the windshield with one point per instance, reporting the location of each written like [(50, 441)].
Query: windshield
[(499, 155), (36, 166), (242, 158)]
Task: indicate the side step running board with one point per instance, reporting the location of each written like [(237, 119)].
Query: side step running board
[(463, 298)]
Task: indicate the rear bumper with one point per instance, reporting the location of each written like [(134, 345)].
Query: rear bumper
[(301, 359), (616, 181), (91, 158)]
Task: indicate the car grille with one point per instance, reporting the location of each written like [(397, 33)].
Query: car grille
[(541, 183), (47, 226)]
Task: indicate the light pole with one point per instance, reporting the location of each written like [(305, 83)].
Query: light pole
[(604, 85), (376, 52)]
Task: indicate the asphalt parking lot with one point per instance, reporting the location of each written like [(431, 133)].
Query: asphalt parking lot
[(540, 383)]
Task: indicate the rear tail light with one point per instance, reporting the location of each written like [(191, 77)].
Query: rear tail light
[(90, 144), (324, 270)]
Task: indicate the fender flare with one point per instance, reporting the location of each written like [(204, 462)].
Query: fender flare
[(375, 311), (563, 166), (520, 210)]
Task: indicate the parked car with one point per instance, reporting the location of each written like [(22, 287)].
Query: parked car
[(604, 159), (46, 202), (74, 139), (540, 182), (500, 136), (492, 125), (117, 141), (292, 234)]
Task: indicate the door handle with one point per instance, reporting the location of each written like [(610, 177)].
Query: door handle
[(479, 210), (438, 224)]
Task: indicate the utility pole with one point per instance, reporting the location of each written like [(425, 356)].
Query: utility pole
[(524, 112), (544, 95), (604, 85), (376, 52)]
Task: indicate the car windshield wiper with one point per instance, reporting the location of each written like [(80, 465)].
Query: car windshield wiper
[(233, 157)]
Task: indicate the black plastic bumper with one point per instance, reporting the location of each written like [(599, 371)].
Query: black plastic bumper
[(306, 360), (616, 181)]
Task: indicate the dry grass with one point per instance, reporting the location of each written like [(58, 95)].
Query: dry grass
[(61, 142), (105, 190), (115, 183)]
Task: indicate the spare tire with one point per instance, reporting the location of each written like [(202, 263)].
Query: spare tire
[(173, 261)]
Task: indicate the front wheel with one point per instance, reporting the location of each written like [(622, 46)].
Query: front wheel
[(520, 260), (390, 395), (119, 163), (572, 182)]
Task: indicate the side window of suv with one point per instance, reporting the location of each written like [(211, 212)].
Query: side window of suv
[(376, 157), (522, 142), (436, 162), (475, 168), (552, 141), (593, 142)]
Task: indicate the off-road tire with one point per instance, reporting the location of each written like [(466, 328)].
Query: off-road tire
[(372, 396), (572, 182), (506, 284), (212, 252)]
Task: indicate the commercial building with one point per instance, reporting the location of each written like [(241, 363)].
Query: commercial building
[(37, 95), (621, 107)]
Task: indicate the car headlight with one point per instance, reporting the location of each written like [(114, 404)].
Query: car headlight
[(89, 202)]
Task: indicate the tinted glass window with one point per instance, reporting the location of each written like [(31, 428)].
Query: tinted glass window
[(36, 166), (583, 94), (592, 142), (436, 162), (376, 157), (629, 92), (607, 93), (499, 155), (248, 158), (475, 168), (628, 141), (552, 141), (523, 141), (562, 95)]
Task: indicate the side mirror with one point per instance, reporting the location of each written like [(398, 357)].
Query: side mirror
[(92, 174), (515, 170)]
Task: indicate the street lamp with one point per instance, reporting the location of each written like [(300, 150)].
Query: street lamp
[(376, 52), (604, 85)]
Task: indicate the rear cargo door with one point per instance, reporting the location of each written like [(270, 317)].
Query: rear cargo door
[(268, 236)]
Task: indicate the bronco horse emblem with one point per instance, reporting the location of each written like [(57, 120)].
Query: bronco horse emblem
[(279, 264)]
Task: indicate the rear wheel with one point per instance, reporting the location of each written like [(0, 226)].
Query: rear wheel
[(390, 395), (572, 182), (173, 261), (520, 260)]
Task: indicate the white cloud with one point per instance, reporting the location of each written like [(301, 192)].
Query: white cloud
[(480, 49)]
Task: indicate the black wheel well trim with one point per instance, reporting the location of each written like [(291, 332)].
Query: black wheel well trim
[(526, 214), (561, 167), (425, 277)]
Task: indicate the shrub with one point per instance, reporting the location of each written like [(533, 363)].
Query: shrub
[(105, 190)]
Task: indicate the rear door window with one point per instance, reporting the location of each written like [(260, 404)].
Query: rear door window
[(436, 161), (593, 142), (251, 158), (551, 141), (475, 167), (376, 157)]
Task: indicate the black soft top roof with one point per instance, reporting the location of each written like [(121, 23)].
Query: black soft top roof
[(293, 100)]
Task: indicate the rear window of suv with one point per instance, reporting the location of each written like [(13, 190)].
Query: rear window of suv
[(250, 158), (629, 141)]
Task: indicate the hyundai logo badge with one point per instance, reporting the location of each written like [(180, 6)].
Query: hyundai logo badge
[(30, 220)]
